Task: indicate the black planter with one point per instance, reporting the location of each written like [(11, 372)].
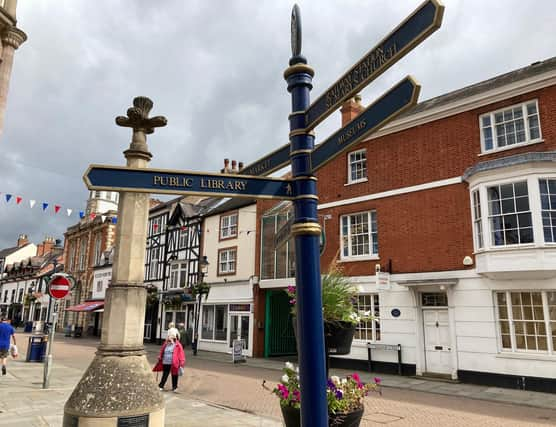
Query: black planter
[(292, 418), (338, 337)]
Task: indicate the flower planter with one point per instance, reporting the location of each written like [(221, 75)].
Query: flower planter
[(338, 336), (292, 417)]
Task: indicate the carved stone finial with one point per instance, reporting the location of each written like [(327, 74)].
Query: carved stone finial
[(137, 116)]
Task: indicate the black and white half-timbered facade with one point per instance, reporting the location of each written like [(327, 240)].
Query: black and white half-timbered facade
[(172, 263)]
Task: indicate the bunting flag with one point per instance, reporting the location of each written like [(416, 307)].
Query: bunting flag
[(183, 228), (155, 226), (58, 208)]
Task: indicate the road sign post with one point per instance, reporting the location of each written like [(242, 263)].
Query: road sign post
[(306, 231), (58, 288)]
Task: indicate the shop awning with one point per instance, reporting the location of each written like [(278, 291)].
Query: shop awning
[(87, 306)]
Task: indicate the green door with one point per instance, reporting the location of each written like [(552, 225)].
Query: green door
[(279, 337)]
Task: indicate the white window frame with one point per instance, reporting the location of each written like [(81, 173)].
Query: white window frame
[(492, 126), (99, 286), (351, 163), (371, 233), (548, 324), (183, 238), (372, 326), (549, 222), (228, 229), (478, 231), (533, 188), (228, 261), (178, 273), (213, 321)]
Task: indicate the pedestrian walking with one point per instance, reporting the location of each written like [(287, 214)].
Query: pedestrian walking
[(173, 330), (182, 337), (171, 360), (6, 331)]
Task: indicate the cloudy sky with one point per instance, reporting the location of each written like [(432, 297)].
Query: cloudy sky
[(214, 69)]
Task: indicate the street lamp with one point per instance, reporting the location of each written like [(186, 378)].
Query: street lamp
[(198, 290)]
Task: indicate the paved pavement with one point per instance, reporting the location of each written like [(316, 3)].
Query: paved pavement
[(214, 392)]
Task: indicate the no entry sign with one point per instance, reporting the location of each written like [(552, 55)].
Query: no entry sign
[(59, 286)]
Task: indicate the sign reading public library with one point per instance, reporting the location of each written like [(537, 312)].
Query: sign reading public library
[(114, 178)]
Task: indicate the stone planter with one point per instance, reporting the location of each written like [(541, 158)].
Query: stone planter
[(292, 418)]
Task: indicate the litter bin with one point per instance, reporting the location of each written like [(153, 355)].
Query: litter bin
[(36, 349), (28, 327)]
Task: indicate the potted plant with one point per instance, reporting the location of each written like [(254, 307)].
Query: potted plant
[(345, 397), (339, 314)]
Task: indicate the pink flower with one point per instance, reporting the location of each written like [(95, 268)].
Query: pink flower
[(291, 289), (296, 396), (377, 380), (355, 376), (293, 301)]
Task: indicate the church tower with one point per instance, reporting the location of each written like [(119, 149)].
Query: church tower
[(11, 38)]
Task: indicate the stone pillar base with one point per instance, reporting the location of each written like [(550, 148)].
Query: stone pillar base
[(112, 388)]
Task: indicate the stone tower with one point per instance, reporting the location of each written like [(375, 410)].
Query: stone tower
[(100, 202), (11, 38)]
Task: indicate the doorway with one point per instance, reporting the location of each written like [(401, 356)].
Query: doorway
[(239, 328), (436, 331)]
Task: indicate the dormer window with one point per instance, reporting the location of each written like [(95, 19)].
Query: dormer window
[(514, 126)]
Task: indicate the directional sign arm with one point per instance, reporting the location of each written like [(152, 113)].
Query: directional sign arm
[(424, 21), (269, 163), (397, 100), (163, 181)]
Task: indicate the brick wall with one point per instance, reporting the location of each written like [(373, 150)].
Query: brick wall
[(427, 230)]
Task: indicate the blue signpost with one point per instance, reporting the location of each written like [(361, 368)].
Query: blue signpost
[(301, 189)]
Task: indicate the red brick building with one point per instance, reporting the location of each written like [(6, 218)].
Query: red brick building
[(455, 204)]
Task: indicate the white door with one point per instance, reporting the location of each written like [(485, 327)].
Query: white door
[(438, 351)]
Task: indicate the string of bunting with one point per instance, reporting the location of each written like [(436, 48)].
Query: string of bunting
[(56, 208)]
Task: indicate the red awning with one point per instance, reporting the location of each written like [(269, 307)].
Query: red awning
[(87, 306)]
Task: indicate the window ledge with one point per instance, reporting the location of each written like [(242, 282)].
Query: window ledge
[(511, 147), (359, 258), (359, 181), (527, 356)]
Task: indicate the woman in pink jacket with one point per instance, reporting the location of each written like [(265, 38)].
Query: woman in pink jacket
[(170, 360)]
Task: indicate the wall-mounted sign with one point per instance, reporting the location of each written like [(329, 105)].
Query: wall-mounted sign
[(382, 280), (395, 312)]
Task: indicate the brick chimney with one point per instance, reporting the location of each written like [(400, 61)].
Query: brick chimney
[(351, 109), (22, 240), (46, 246), (226, 168)]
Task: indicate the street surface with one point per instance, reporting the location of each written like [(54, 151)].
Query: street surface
[(212, 379)]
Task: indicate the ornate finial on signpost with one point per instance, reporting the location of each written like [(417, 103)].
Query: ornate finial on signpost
[(137, 116), (296, 37), (138, 119)]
